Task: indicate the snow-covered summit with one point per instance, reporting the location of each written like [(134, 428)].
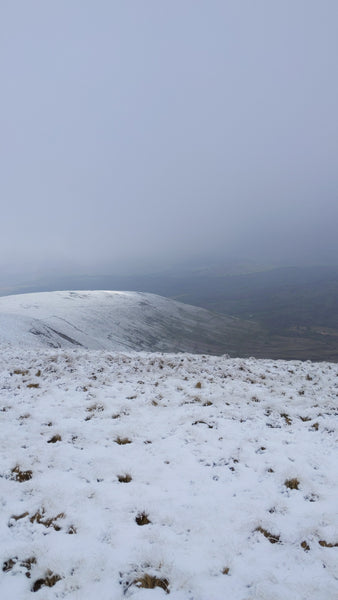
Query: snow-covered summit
[(109, 320)]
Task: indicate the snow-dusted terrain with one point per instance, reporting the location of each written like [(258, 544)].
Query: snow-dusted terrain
[(103, 320), (207, 477)]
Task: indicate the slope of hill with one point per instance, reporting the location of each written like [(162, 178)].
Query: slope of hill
[(134, 475), (117, 321)]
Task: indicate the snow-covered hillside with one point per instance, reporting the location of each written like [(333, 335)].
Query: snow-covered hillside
[(101, 320), (206, 477)]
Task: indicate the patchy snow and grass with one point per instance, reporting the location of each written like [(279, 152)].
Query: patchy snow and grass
[(135, 475)]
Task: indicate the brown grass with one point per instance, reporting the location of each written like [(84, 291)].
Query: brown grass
[(292, 484), (39, 517), (285, 416), (18, 517), (124, 478), (33, 385), (122, 441), (150, 582), (325, 544), (54, 439), (9, 564), (305, 546), (198, 385), (49, 580), (142, 519), (273, 539), (21, 476), (22, 372), (203, 423), (26, 564), (225, 571)]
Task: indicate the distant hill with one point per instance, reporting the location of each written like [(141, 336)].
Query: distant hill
[(287, 313), (106, 320)]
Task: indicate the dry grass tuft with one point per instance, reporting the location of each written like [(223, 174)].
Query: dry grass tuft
[(54, 439), (38, 373), (273, 539), (9, 564), (33, 385), (26, 564), (225, 571), (325, 544), (285, 416), (150, 582), (292, 484), (122, 441), (124, 478), (203, 423), (198, 385), (21, 476), (39, 517), (18, 517), (142, 519), (304, 419), (305, 546), (315, 426), (95, 408), (22, 372), (49, 580), (72, 530)]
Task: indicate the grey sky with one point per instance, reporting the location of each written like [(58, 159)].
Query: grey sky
[(164, 129)]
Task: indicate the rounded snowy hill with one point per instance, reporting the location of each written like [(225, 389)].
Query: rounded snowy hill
[(116, 321)]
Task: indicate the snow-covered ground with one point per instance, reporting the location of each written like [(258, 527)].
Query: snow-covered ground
[(233, 462)]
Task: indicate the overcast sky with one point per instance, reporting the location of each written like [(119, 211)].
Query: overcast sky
[(153, 130)]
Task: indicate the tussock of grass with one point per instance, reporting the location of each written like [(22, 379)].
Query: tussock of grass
[(38, 373), (21, 476), (285, 416), (292, 484), (273, 539), (198, 385), (18, 517), (305, 546), (39, 517), (124, 478), (72, 530), (315, 426), (202, 423), (22, 372), (26, 564), (54, 439), (304, 419), (122, 441), (142, 519), (325, 544), (150, 582), (49, 580), (95, 408), (225, 571), (9, 564), (33, 385)]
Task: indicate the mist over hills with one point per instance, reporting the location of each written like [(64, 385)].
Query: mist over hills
[(293, 310)]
